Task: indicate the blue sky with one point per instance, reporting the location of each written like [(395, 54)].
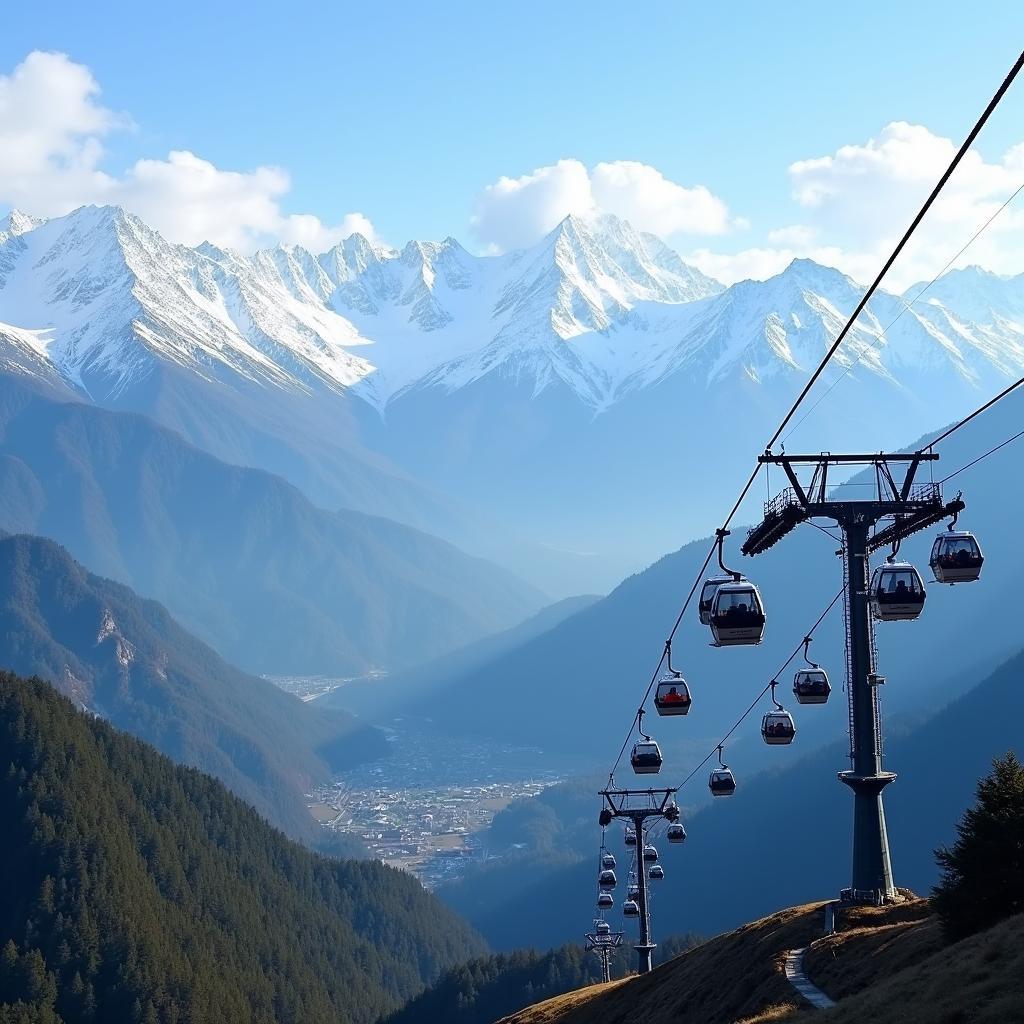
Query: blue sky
[(407, 113)]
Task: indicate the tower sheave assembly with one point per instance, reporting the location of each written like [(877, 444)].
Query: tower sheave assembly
[(896, 592)]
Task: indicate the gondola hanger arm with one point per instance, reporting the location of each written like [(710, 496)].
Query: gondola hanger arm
[(721, 534), (807, 644)]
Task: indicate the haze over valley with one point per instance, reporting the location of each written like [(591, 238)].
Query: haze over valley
[(509, 516)]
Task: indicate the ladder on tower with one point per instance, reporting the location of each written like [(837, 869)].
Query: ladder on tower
[(849, 652)]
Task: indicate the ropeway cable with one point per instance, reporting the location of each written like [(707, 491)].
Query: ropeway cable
[(872, 288)]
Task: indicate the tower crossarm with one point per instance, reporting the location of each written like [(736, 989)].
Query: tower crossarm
[(906, 525)]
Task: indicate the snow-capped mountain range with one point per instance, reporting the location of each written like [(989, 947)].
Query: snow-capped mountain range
[(98, 295), (388, 380)]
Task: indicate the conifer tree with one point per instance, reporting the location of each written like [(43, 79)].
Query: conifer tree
[(983, 871)]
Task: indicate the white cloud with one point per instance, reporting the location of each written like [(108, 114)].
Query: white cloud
[(52, 129), (311, 233), (795, 234), (514, 213), (861, 198), (642, 195)]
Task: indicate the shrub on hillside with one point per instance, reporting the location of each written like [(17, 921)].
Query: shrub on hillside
[(983, 871)]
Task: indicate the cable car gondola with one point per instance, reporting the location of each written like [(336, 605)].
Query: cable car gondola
[(633, 891), (630, 909), (736, 615), (630, 837), (672, 696), (603, 928), (608, 861), (607, 880), (605, 901), (707, 597), (676, 834), (656, 873), (897, 592), (650, 854), (956, 557), (777, 727), (811, 685), (722, 782), (646, 758)]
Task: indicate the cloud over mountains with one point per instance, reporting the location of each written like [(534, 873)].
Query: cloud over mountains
[(846, 208)]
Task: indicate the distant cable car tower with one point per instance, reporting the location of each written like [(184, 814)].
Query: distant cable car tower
[(603, 941), (637, 805), (911, 508)]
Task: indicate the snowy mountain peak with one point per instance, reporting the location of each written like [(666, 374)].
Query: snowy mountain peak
[(17, 223), (103, 301)]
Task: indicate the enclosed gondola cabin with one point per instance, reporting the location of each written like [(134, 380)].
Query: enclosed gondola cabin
[(722, 782), (608, 861), (630, 909), (656, 873), (630, 837), (607, 880), (676, 834), (956, 557), (897, 592), (646, 757), (811, 686), (650, 854), (672, 696), (707, 597), (778, 728), (737, 614), (603, 928), (632, 892), (605, 901)]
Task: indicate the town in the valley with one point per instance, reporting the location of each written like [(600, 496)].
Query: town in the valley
[(427, 807)]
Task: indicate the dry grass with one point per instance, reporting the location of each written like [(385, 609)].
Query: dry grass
[(887, 965), (555, 1008), (977, 981), (870, 945), (730, 978), (788, 1012)]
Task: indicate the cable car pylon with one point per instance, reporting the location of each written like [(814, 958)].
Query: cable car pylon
[(637, 805), (912, 508)]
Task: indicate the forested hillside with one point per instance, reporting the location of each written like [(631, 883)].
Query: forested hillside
[(136, 890), (127, 660), (488, 988)]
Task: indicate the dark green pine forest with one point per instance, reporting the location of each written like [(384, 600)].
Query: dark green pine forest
[(488, 988), (126, 659), (137, 890)]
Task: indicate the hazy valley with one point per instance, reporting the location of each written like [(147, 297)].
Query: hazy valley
[(332, 574)]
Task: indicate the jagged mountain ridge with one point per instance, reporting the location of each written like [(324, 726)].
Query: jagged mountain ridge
[(489, 399), (597, 305), (125, 659), (103, 295)]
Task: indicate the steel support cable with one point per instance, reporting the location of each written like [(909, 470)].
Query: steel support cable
[(757, 700), (979, 124), (873, 287), (967, 419), (974, 462), (906, 307), (661, 660)]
